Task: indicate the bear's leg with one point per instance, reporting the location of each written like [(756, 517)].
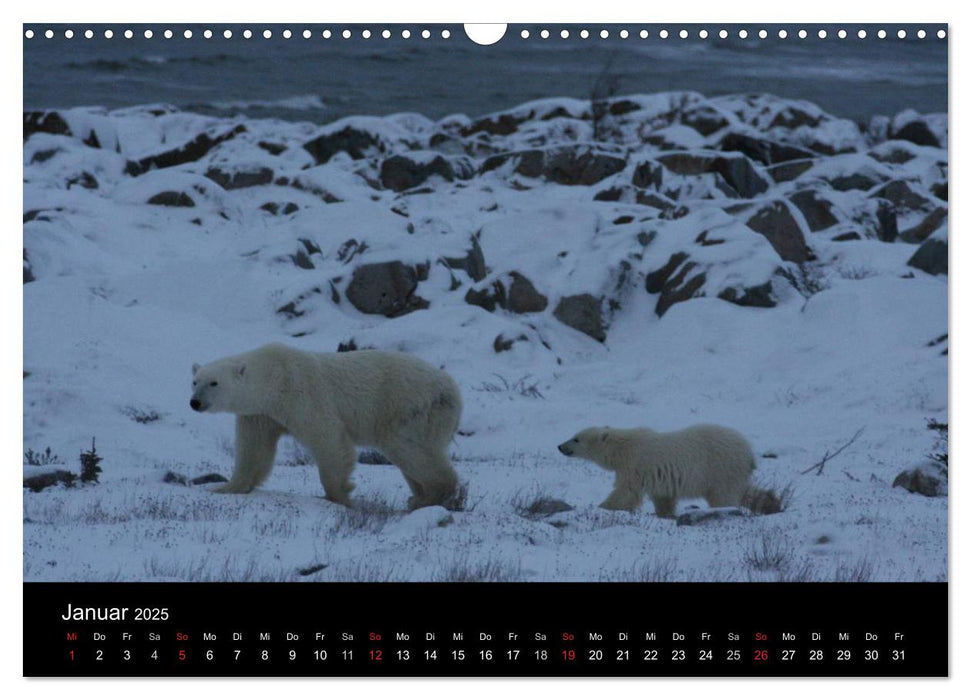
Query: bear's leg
[(664, 506), (335, 457), (720, 500), (628, 493), (256, 439), (622, 499), (428, 472), (439, 483)]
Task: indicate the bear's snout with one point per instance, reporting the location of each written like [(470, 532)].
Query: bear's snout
[(565, 449), (195, 405)]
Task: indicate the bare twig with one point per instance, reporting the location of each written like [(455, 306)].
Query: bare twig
[(821, 464)]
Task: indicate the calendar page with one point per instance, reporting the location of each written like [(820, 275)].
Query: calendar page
[(586, 350)]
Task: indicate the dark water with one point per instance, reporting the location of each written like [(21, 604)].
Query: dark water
[(849, 77)]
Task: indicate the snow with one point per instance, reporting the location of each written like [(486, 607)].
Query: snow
[(128, 295)]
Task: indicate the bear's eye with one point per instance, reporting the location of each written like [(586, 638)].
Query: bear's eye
[(213, 383), (194, 382), (576, 439)]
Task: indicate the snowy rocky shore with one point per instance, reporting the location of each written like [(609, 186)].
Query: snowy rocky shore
[(650, 259)]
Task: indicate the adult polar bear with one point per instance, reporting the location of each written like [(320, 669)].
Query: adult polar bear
[(703, 461), (330, 403)]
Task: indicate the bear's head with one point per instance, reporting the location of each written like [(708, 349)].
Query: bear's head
[(218, 386), (586, 443)]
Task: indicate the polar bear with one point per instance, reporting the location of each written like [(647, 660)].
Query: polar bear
[(703, 461), (331, 403)]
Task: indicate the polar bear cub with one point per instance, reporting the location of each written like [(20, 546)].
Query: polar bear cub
[(703, 461), (331, 403)]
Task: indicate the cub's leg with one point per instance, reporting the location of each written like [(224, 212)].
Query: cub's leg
[(664, 506)]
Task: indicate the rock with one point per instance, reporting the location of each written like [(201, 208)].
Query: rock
[(785, 172), (931, 257), (349, 140), (917, 132), (522, 297), (886, 216), (39, 482), (85, 180), (763, 150), (488, 297), (502, 343), (170, 198), (564, 165), (817, 212), (211, 478), (46, 123), (583, 312), (473, 263), (759, 295), (704, 119), (928, 479), (188, 153), (776, 223), (736, 170), (648, 174), (545, 507), (677, 289), (175, 478), (696, 516), (274, 149), (925, 228), (850, 236), (401, 173), (240, 178), (856, 181), (385, 288), (901, 195), (939, 190), (654, 281), (28, 269)]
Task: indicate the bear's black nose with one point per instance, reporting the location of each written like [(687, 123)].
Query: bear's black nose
[(563, 449), (195, 405)]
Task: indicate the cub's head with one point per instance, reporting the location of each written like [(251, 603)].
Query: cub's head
[(586, 443), (216, 387)]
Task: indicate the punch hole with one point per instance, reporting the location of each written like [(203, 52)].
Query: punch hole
[(29, 34), (187, 34), (941, 34), (487, 34)]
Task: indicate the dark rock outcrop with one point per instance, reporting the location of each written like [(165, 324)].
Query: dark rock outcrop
[(776, 223), (583, 312), (385, 288)]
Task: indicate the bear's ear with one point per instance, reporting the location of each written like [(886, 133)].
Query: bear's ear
[(240, 371), (195, 368)]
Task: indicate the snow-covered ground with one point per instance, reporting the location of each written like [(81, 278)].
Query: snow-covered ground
[(638, 231)]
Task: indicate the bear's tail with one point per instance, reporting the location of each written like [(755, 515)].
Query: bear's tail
[(765, 501)]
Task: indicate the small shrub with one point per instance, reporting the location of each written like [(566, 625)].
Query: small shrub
[(534, 504), (369, 516), (461, 570), (771, 553), (521, 386), (41, 459), (89, 465), (654, 571), (140, 416), (939, 454)]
